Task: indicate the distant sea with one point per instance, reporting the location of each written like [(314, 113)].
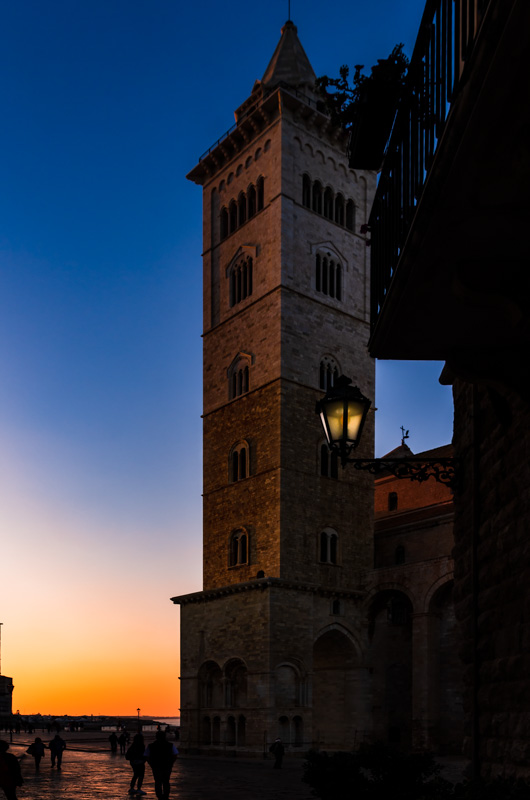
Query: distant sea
[(168, 720)]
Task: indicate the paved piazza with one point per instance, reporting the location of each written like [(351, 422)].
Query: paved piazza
[(89, 770)]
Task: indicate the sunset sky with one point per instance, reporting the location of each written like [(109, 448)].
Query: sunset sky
[(106, 105)]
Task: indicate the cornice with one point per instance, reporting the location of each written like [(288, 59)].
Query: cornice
[(261, 115), (264, 584)]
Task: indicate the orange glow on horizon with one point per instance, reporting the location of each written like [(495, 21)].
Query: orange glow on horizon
[(115, 688)]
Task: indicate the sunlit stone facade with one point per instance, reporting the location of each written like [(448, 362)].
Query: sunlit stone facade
[(272, 645)]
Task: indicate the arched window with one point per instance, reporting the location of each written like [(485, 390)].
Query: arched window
[(392, 501), (223, 220), (317, 197), (329, 462), (328, 275), (324, 460), (240, 277), (261, 193), (329, 542), (324, 276), (210, 685), (331, 278), (328, 373), (339, 209), (328, 203), (232, 213), (239, 377), (239, 462), (230, 731), (238, 548), (251, 201), (236, 678), (399, 555), (216, 730), (350, 215), (242, 208), (241, 730), (306, 191), (206, 730)]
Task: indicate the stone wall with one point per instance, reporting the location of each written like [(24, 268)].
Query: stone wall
[(492, 552)]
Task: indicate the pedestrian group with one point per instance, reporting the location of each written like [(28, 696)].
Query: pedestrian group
[(160, 755)]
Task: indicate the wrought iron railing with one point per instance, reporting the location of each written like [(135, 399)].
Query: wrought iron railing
[(446, 38)]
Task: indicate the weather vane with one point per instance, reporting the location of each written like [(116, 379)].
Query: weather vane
[(404, 435)]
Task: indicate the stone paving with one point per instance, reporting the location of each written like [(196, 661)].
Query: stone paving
[(89, 771)]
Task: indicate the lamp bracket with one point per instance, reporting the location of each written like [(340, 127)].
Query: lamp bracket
[(416, 469)]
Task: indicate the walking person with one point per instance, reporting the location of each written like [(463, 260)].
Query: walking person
[(277, 749), (57, 745), (113, 739), (161, 756), (135, 755), (122, 741), (37, 751), (10, 775)]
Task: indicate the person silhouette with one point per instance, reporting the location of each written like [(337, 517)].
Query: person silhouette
[(135, 755), (37, 751), (161, 756), (57, 745), (277, 749), (122, 741), (10, 775)]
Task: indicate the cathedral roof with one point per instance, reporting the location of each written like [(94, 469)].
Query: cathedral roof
[(289, 62)]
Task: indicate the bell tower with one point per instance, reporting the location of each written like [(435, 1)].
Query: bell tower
[(272, 645)]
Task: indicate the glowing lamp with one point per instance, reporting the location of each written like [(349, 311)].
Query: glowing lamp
[(343, 412)]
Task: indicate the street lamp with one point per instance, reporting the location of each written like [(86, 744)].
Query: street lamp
[(139, 723), (343, 412)]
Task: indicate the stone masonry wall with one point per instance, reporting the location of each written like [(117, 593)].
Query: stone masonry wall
[(494, 501)]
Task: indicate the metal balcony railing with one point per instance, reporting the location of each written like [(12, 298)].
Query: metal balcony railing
[(446, 38)]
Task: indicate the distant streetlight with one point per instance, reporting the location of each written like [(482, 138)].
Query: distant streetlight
[(343, 413), (139, 723)]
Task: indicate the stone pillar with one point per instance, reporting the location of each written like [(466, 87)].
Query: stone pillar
[(425, 683)]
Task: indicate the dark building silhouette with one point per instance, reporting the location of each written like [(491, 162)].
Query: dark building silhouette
[(450, 281)]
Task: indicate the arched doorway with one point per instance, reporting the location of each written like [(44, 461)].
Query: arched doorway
[(335, 691)]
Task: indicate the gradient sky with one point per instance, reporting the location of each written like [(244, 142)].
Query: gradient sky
[(106, 105)]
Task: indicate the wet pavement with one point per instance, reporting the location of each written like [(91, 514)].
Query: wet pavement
[(89, 770)]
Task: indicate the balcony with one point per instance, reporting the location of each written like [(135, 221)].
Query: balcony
[(449, 224)]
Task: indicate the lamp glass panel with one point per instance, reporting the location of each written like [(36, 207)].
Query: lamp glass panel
[(326, 427), (355, 416), (335, 416)]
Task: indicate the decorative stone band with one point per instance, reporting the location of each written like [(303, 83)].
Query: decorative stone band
[(262, 584)]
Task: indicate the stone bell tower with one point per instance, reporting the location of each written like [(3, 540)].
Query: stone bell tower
[(272, 645)]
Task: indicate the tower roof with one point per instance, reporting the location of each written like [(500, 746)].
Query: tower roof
[(289, 62)]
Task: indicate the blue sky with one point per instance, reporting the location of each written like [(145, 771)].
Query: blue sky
[(107, 104)]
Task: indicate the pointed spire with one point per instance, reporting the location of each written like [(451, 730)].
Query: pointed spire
[(289, 62)]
